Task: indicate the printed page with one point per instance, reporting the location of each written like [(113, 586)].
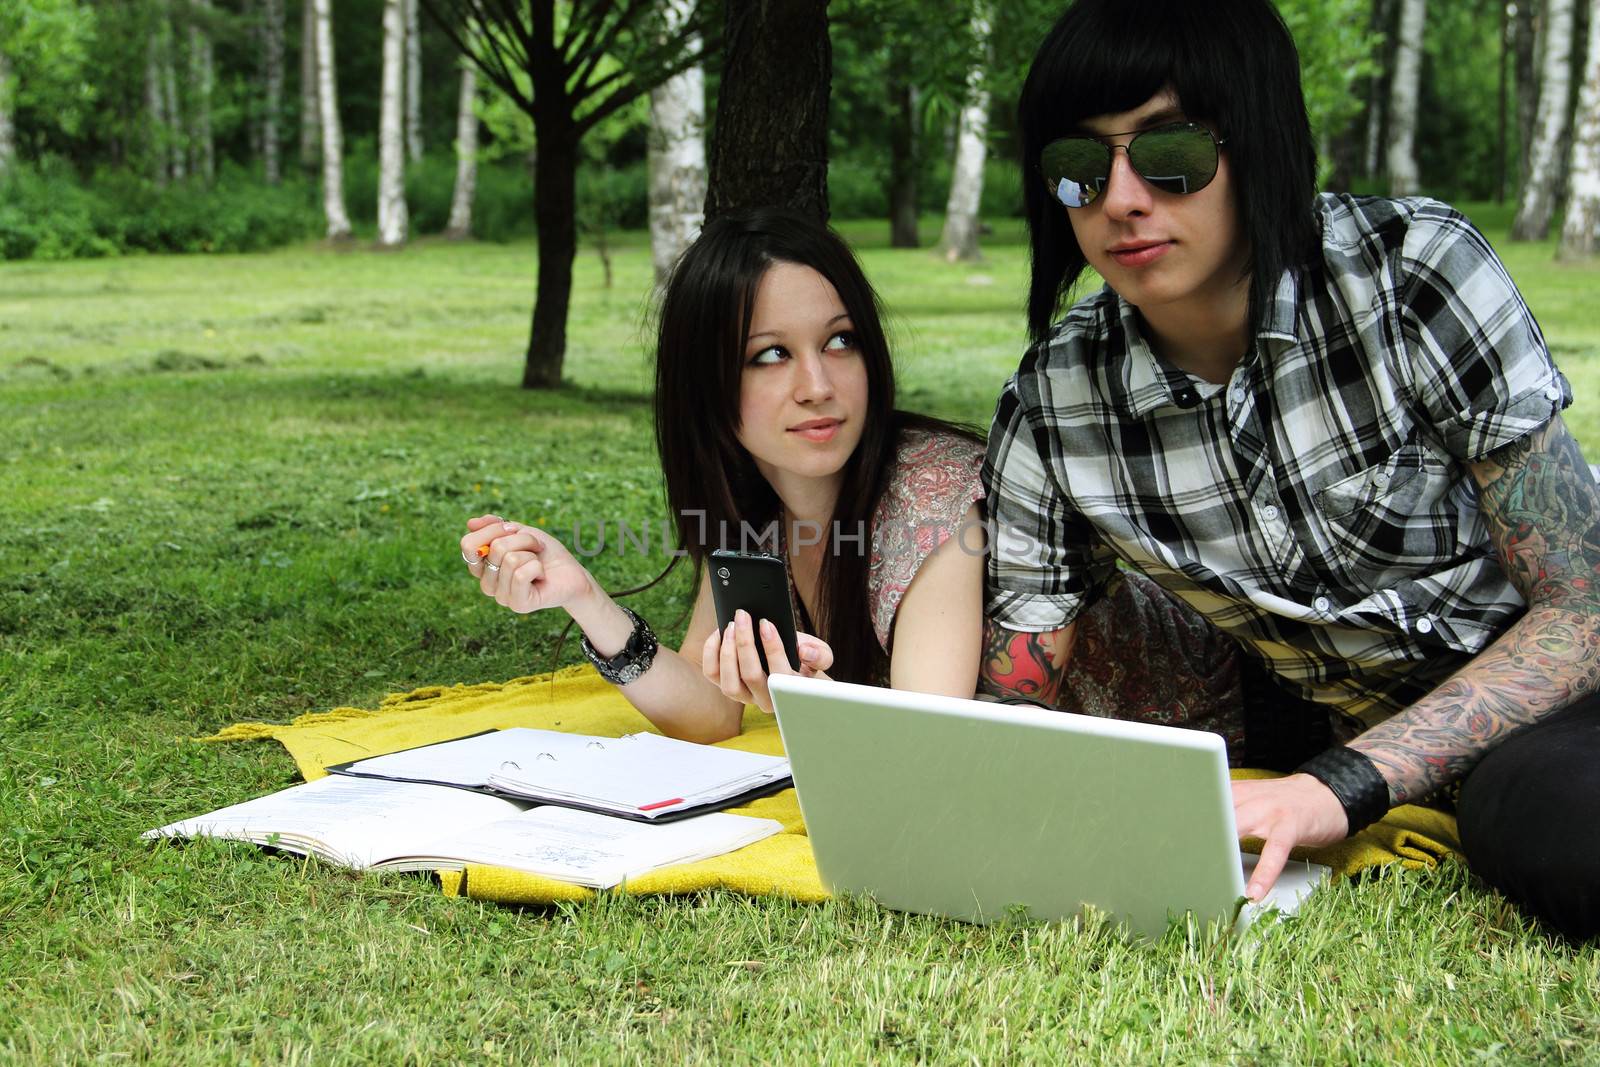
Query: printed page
[(587, 848), (351, 821)]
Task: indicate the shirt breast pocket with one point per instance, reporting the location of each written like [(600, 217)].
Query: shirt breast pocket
[(1392, 521)]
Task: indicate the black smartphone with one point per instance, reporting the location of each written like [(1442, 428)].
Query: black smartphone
[(759, 584)]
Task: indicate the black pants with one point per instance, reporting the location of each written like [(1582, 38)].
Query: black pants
[(1528, 814)]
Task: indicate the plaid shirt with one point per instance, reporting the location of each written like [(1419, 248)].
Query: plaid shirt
[(1317, 506)]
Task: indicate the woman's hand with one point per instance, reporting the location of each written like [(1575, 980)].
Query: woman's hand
[(524, 569), (729, 659)]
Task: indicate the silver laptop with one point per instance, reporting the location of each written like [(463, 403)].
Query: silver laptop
[(979, 811)]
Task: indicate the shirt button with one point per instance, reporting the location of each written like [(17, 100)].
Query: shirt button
[(1321, 603), (1238, 394), (1270, 513), (1424, 625), (1552, 392), (1380, 479)]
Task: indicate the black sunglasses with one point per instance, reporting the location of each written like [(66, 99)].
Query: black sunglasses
[(1178, 158)]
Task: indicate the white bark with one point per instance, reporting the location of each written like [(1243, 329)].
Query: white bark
[(677, 154), (272, 64), (391, 143), (1537, 202), (959, 239), (332, 134), (155, 104), (1578, 232), (460, 225), (177, 163), (202, 77), (413, 83), (8, 138), (1401, 160), (310, 127)]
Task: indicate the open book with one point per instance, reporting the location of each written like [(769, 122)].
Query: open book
[(372, 823), (636, 776)]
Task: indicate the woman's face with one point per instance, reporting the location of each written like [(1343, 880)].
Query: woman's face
[(803, 387)]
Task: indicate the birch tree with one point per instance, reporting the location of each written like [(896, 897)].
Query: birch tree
[(413, 93), (1582, 216), (460, 225), (959, 241), (332, 133), (391, 143), (202, 81), (677, 153), (177, 158), (1539, 183), (272, 75), (310, 119), (1401, 159), (8, 137)]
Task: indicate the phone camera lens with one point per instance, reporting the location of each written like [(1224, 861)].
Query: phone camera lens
[(722, 572)]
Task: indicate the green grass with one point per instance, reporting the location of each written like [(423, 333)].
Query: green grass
[(230, 488)]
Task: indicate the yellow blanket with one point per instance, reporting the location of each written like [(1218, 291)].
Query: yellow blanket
[(577, 700)]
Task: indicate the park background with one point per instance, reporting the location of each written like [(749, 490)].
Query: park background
[(252, 380)]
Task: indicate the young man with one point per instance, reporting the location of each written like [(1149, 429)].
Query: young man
[(1329, 425)]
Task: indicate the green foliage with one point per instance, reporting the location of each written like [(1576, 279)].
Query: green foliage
[(47, 43), (1336, 55), (47, 212)]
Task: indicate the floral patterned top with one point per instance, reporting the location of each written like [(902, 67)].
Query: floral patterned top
[(935, 480)]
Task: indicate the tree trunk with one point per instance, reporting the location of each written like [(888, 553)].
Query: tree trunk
[(8, 137), (959, 241), (1382, 15), (413, 82), (391, 143), (310, 124), (1583, 184), (202, 77), (172, 140), (770, 142), (677, 155), (1539, 186), (1526, 63), (902, 154), (155, 105), (460, 224), (555, 182), (332, 134), (272, 114), (1403, 94)]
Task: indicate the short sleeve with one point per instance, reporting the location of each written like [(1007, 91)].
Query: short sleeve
[(934, 481), (1046, 563), (1478, 362)]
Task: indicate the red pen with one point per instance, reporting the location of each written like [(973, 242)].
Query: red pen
[(661, 804)]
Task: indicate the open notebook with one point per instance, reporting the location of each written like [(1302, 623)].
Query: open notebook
[(372, 823), (636, 776)]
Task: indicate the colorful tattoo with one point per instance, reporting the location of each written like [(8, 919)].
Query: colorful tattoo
[(1017, 664), (1543, 511)]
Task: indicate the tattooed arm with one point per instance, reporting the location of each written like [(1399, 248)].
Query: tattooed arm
[(1543, 511), (1018, 664)]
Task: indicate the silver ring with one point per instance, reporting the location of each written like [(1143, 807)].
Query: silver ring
[(492, 568), (469, 561)]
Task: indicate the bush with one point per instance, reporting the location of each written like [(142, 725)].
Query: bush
[(48, 212), (858, 187)]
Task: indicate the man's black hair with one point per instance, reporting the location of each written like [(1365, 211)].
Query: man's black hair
[(1232, 65)]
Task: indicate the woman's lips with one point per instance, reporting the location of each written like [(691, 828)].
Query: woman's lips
[(817, 431), (1140, 255)]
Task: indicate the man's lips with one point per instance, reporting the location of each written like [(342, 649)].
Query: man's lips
[(817, 429), (1139, 253)]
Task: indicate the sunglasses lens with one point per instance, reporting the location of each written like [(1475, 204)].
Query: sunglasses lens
[(1178, 159), (1075, 169)]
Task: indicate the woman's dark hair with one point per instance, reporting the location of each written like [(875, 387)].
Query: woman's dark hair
[(712, 483), (1232, 64)]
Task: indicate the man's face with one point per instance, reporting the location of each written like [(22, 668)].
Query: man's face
[(1161, 250)]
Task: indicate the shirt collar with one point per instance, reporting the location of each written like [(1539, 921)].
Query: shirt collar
[(1150, 383)]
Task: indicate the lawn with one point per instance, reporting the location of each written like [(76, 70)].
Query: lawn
[(230, 489)]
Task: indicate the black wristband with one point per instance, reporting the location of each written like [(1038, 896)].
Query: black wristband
[(1355, 780), (634, 659)]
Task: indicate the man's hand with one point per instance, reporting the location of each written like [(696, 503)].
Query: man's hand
[(1285, 813)]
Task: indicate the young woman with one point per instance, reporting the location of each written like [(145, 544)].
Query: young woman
[(775, 405)]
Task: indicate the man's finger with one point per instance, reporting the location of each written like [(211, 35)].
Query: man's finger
[(1274, 854)]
